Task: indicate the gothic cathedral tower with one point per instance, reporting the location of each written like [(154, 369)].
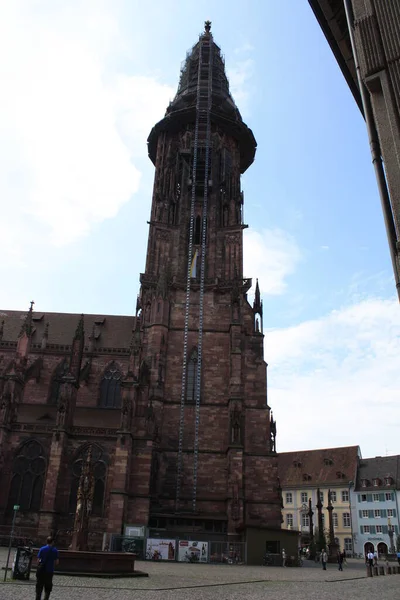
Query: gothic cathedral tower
[(199, 341)]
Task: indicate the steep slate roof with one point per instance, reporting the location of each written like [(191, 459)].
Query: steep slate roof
[(111, 331), (379, 468), (329, 466)]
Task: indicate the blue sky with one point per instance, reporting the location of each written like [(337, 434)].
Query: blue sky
[(85, 83)]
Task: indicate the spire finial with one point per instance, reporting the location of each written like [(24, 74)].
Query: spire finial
[(27, 324), (79, 332), (207, 27)]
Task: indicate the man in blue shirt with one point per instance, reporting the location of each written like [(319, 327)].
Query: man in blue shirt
[(47, 559)]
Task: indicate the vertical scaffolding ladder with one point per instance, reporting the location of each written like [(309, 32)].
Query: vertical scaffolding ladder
[(201, 138)]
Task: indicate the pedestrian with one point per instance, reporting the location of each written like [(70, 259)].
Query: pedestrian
[(344, 557), (324, 558), (375, 558), (398, 557), (370, 558), (47, 559), (340, 560), (283, 558)]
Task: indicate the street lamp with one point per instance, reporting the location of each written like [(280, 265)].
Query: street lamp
[(391, 532)]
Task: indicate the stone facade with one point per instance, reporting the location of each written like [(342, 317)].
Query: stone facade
[(116, 384)]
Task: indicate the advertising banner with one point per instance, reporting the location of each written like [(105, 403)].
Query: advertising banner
[(160, 549), (189, 551)]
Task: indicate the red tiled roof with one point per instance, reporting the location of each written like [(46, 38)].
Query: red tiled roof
[(328, 466), (111, 331)]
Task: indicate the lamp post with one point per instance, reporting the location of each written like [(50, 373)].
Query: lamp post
[(391, 532), (16, 509)]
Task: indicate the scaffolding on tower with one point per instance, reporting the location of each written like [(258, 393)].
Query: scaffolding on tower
[(200, 176)]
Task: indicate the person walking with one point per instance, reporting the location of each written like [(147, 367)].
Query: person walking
[(370, 558), (398, 557), (283, 558), (340, 560), (47, 559), (324, 558)]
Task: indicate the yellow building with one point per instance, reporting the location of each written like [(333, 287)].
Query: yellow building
[(302, 473)]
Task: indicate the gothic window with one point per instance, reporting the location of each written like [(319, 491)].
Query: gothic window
[(110, 388), (191, 376), (99, 471), (197, 231), (28, 471), (55, 385)]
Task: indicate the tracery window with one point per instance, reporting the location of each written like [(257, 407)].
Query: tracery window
[(110, 388), (28, 471), (56, 381), (191, 377), (99, 471)]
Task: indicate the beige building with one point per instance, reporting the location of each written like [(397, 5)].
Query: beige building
[(302, 473), (366, 33)]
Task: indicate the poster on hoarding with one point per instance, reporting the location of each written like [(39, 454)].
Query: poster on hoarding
[(160, 549), (190, 551)]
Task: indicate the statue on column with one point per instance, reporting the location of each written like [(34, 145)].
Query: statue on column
[(84, 505)]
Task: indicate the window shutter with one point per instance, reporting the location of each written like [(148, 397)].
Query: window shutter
[(371, 514), (361, 529), (384, 513), (373, 529), (385, 529), (369, 497), (359, 497), (396, 529), (360, 514), (394, 512), (381, 497)]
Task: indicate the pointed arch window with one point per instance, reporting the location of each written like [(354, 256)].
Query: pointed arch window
[(110, 388), (191, 377), (197, 231), (55, 385), (99, 470), (28, 471)]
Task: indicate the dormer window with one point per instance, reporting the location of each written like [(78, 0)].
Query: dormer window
[(364, 483), (328, 462), (388, 481), (296, 463), (376, 482), (340, 475), (306, 477)]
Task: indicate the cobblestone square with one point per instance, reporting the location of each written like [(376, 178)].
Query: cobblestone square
[(177, 581)]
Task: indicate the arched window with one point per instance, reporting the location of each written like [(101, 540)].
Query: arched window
[(28, 471), (55, 385), (197, 231), (110, 389), (99, 470), (191, 377)]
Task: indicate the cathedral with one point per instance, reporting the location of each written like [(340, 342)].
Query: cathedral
[(171, 402)]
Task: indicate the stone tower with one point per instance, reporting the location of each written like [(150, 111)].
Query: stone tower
[(201, 342)]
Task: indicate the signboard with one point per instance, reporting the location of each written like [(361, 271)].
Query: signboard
[(16, 506), (191, 551), (160, 549)]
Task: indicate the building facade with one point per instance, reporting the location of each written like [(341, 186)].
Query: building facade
[(368, 34), (375, 504), (172, 402), (302, 474)]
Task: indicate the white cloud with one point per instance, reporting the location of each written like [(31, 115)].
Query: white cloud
[(336, 380), (72, 125), (241, 88), (271, 256)]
